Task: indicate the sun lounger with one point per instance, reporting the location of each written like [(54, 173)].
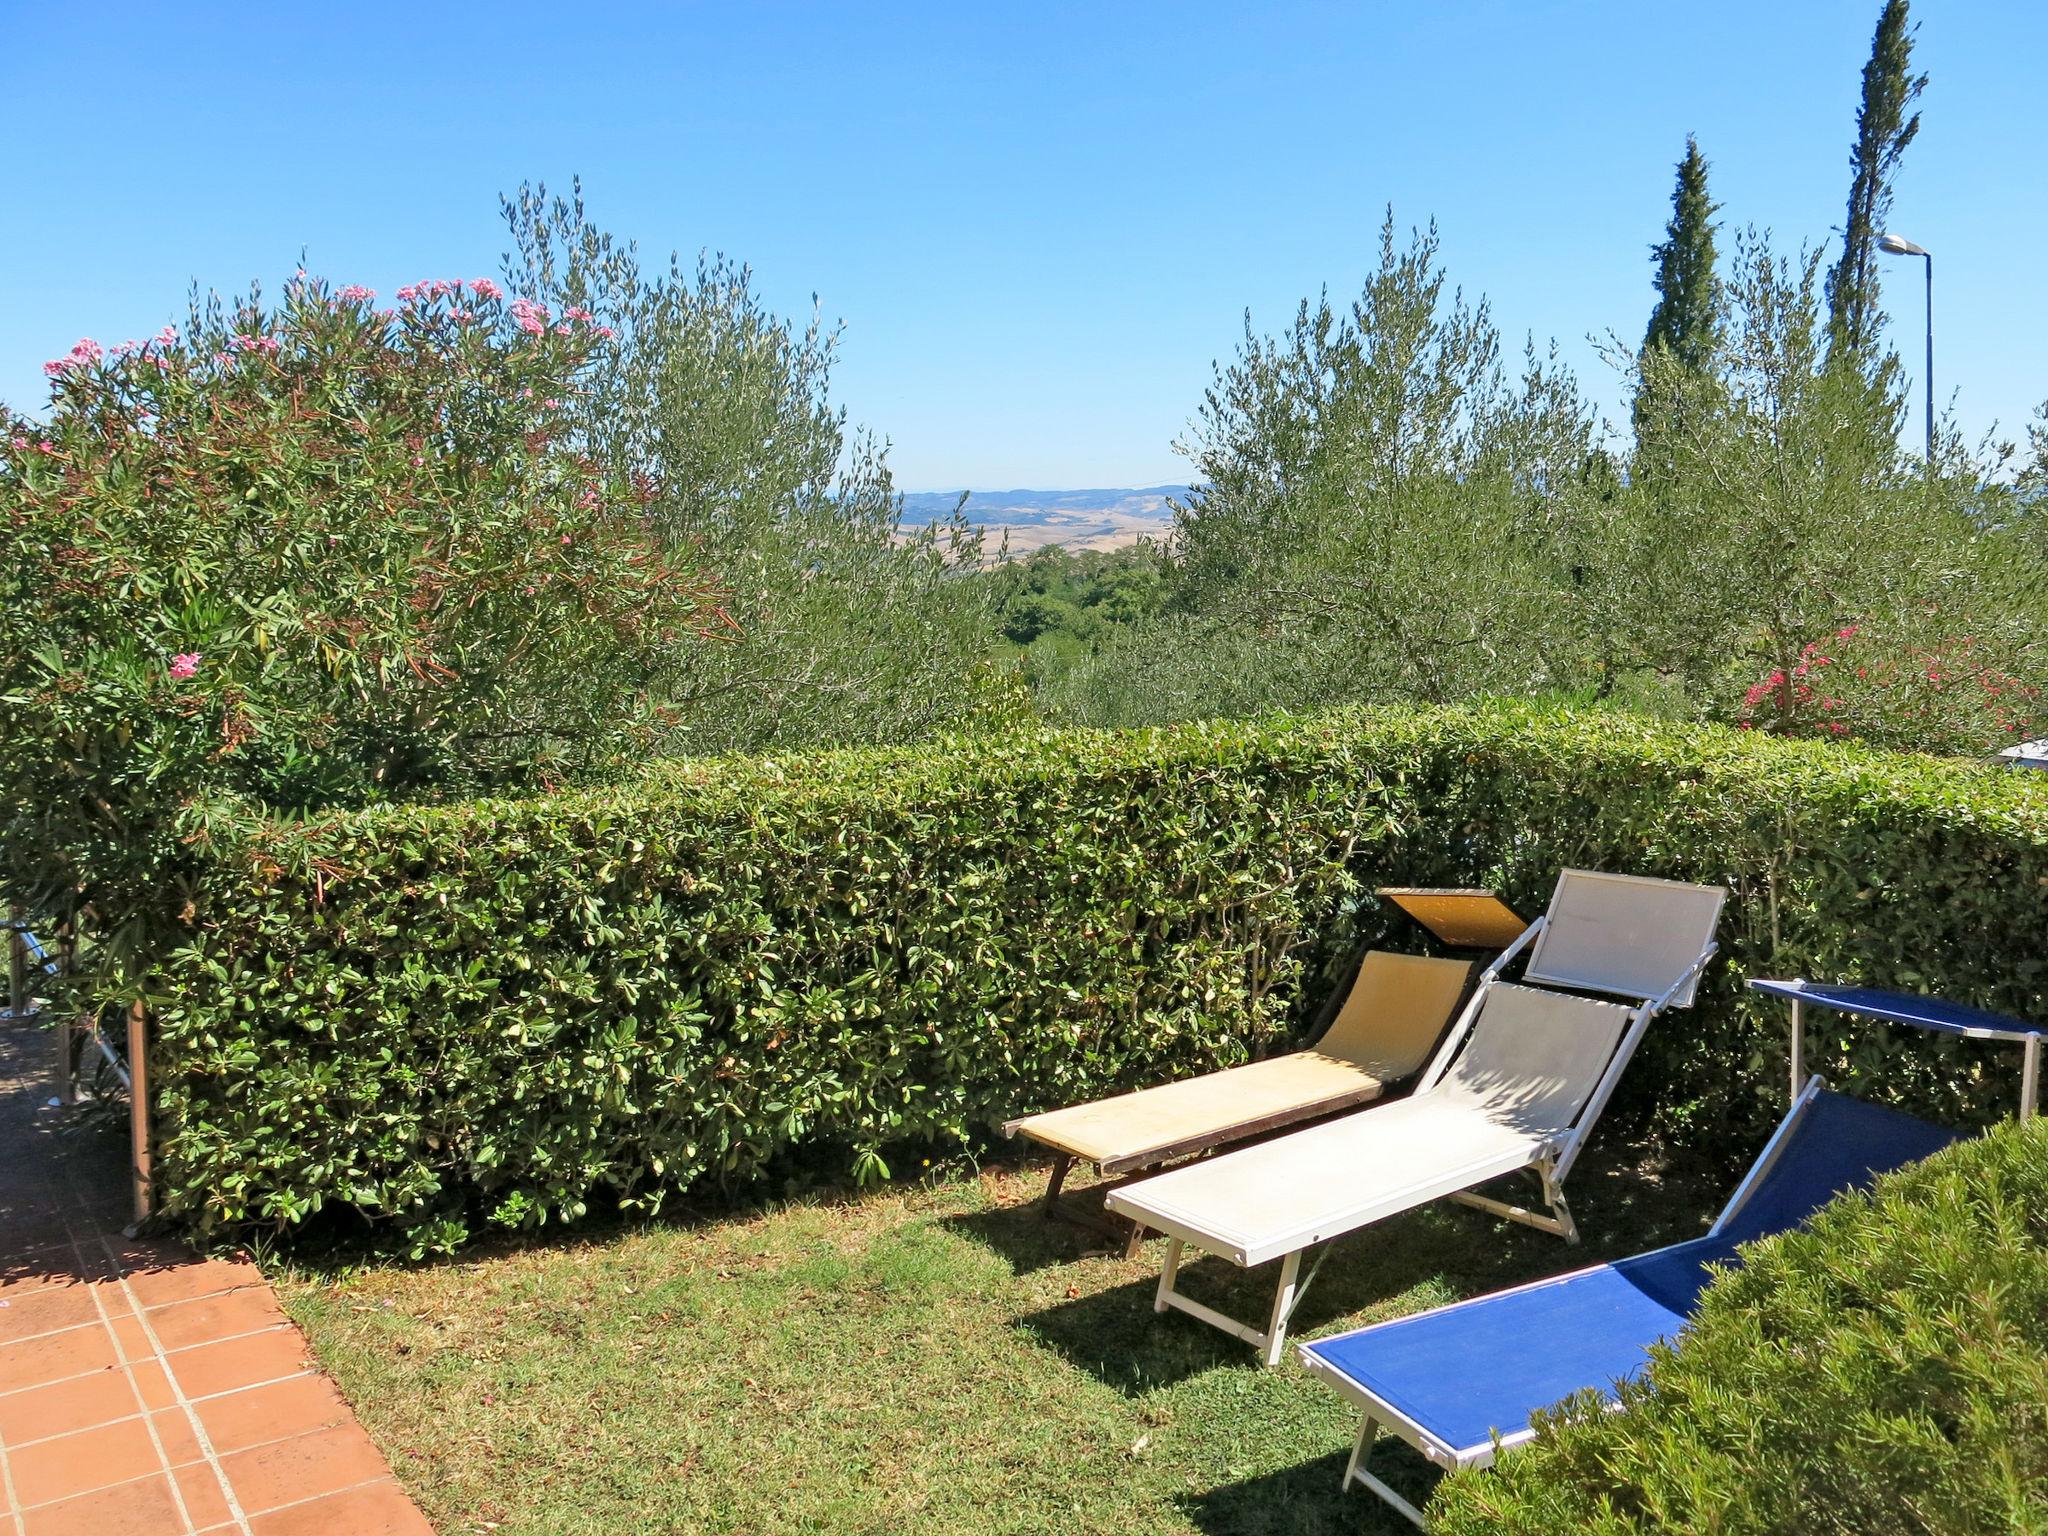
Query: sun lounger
[(1461, 1383), (1390, 1019), (1517, 1084)]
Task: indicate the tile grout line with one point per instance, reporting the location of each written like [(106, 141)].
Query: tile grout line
[(239, 1518), (7, 1492), (208, 1397)]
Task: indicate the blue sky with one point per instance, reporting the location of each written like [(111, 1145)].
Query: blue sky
[(1040, 223)]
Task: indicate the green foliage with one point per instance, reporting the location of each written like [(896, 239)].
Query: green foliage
[(501, 1011), (1382, 505), (1884, 1370), (1688, 308), (1685, 324), (852, 628), (1787, 469), (308, 556), (1883, 130)]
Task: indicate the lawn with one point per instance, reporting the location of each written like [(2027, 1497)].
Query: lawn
[(932, 1357)]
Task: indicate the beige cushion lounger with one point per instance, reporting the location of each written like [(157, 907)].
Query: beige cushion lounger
[(1397, 1010)]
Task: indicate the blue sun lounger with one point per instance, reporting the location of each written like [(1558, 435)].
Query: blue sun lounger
[(1461, 1383)]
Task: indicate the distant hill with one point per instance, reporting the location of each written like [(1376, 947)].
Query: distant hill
[(1095, 519)]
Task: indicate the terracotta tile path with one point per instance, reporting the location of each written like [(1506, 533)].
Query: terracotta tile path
[(143, 1391)]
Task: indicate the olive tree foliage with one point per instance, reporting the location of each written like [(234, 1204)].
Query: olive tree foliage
[(1802, 572), (1382, 507), (852, 627)]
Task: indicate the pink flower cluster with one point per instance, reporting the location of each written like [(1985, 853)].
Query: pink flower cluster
[(443, 288), (355, 293), (84, 355), (247, 343), (530, 317), (185, 664)]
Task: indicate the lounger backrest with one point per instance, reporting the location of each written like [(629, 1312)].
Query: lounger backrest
[(1625, 934), (1396, 1011), (1830, 1143), (1533, 1058)]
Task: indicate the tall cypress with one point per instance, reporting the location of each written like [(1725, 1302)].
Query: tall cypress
[(1687, 316), (1883, 130)]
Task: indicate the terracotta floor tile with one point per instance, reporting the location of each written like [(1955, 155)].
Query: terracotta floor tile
[(53, 1356), (92, 1458), (65, 1406), (132, 1339), (142, 1508), (381, 1509), (209, 1368), (205, 1503), (251, 1417), (175, 1433), (46, 1310), (152, 1384), (185, 1323), (286, 1471), (161, 1287)]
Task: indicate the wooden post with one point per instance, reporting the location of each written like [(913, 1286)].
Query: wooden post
[(17, 965), (138, 1107)]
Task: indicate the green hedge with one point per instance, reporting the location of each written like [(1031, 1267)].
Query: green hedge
[(1884, 1370), (496, 1011)]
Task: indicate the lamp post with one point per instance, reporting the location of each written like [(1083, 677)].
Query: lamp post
[(1896, 245)]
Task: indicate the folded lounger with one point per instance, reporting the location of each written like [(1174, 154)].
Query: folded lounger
[(1518, 1083), (1461, 1383), (1393, 1015)]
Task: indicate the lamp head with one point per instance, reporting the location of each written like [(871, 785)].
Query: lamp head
[(1897, 245)]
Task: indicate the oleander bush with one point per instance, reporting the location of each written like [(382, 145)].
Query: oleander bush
[(500, 1011), (1884, 1370), (309, 554)]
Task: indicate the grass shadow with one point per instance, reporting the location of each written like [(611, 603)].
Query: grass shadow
[(1309, 1499), (1426, 1257)]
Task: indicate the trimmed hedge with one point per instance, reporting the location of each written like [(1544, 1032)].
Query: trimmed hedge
[(498, 1010), (1884, 1370)]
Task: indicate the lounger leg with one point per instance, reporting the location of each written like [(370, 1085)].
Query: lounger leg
[(1367, 1433), (1167, 1271), (1060, 1165), (1135, 1241), (1283, 1305), (1566, 1227)]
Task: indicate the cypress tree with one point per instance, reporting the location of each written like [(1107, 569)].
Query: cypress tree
[(1686, 319), (1883, 130)]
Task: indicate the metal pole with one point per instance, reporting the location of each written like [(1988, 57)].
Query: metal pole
[(1798, 1051), (1930, 365), (138, 1107)]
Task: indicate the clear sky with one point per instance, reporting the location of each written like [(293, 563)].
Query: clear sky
[(1040, 223)]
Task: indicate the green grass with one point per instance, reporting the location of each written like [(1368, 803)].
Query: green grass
[(934, 1358)]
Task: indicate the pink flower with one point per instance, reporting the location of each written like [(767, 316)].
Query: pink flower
[(589, 499), (530, 317), (184, 664), (606, 332), (245, 343), (356, 293), (575, 312), (82, 355), (484, 288), (167, 337)]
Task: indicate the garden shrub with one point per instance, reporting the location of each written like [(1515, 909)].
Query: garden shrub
[(1885, 1369), (311, 554), (499, 1010)]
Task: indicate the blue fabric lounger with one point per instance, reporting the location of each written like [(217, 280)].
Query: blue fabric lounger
[(1449, 1381)]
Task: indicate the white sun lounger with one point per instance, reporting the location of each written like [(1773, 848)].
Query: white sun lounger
[(1518, 1083)]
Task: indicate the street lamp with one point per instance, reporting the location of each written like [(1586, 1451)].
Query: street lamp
[(1895, 245)]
